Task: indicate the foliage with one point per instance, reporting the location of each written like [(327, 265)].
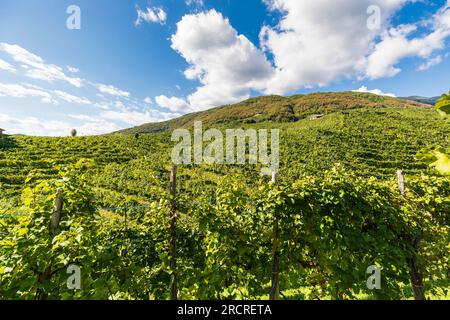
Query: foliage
[(438, 157), (443, 104), (334, 220), (332, 229)]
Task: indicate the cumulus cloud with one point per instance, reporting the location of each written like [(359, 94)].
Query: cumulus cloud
[(151, 15), (111, 90), (6, 66), (398, 43), (318, 42), (24, 91), (227, 64), (173, 103), (364, 89), (314, 44), (36, 67)]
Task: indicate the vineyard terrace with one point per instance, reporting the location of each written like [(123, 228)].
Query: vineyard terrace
[(235, 147)]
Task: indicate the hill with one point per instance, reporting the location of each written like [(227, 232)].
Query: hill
[(117, 214), (431, 101), (371, 135), (278, 109)]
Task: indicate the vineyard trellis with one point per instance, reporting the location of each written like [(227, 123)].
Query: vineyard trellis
[(278, 208)]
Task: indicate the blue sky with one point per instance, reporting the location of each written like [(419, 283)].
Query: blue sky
[(133, 62)]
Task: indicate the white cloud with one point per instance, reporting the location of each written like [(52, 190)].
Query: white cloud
[(24, 90), (104, 122), (430, 63), (40, 127), (102, 105), (151, 15), (111, 90), (174, 104), (318, 42), (397, 43), (198, 3), (36, 67), (136, 118), (148, 100), (110, 113), (73, 69), (314, 44), (27, 90), (6, 66), (119, 105), (71, 98), (83, 117), (227, 64), (364, 89)]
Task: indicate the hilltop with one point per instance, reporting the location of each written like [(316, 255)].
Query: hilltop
[(278, 109)]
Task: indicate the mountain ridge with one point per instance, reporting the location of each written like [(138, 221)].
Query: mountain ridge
[(424, 100), (278, 109)]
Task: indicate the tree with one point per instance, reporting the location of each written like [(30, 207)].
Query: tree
[(73, 133)]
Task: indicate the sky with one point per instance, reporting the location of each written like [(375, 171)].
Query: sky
[(98, 66)]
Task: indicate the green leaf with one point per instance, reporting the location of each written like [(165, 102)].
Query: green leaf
[(443, 104), (442, 164)]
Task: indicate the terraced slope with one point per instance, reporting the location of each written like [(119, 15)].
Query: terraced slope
[(279, 109), (373, 141)]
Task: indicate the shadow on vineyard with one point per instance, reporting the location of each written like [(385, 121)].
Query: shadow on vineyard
[(104, 217), (6, 143)]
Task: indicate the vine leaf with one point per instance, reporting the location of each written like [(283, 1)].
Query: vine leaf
[(442, 164), (443, 104)]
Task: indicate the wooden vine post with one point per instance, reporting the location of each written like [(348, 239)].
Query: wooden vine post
[(414, 271), (173, 234), (57, 211), (401, 182), (275, 289), (45, 276)]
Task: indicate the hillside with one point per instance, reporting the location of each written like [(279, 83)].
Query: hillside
[(372, 141), (278, 109), (336, 196)]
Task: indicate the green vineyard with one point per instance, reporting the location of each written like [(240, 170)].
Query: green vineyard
[(334, 210)]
